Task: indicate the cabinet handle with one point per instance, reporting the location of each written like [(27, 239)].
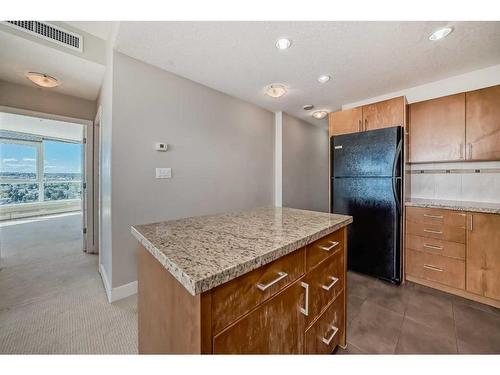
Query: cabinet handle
[(433, 268), (330, 286), (359, 125), (281, 276), (470, 151), (433, 231), (366, 124), (433, 216), (471, 221), (305, 310), (433, 247), (328, 340), (333, 244)]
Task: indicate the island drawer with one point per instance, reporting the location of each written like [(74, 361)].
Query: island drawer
[(435, 246), (437, 231), (326, 282), (432, 267), (326, 333), (239, 296), (435, 216), (323, 248)]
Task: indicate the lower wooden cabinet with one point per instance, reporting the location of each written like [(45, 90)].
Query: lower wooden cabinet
[(461, 255), (294, 305), (483, 255)]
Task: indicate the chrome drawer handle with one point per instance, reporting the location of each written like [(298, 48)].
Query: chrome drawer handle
[(333, 244), (330, 286), (305, 310), (328, 340), (433, 231), (433, 216), (281, 276), (433, 246), (433, 268)]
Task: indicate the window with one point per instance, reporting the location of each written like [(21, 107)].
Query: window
[(39, 170)]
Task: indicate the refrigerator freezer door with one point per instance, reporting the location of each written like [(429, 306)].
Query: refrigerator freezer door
[(374, 235), (370, 153)]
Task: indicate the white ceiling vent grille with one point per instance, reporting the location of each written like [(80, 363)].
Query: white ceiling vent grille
[(50, 32)]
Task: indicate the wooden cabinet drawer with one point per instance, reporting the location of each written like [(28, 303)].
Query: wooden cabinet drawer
[(326, 282), (444, 270), (435, 246), (440, 232), (435, 216), (275, 327), (239, 296), (326, 333), (323, 248)]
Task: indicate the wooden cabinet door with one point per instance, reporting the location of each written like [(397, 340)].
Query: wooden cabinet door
[(483, 124), (437, 129), (345, 122), (483, 255), (384, 114), (275, 327)]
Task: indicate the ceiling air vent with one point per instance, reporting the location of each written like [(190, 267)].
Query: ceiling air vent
[(50, 32)]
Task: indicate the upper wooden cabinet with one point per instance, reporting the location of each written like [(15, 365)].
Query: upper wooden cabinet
[(483, 255), (379, 115), (437, 129), (483, 124), (345, 122), (384, 114)]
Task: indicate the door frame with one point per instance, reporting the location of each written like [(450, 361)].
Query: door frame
[(88, 237)]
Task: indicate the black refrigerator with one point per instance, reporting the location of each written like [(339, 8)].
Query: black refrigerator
[(367, 170)]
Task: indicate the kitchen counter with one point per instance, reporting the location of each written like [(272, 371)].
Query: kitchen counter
[(484, 207), (204, 252)]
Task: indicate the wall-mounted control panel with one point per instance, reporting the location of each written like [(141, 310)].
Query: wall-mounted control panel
[(163, 172), (160, 146)]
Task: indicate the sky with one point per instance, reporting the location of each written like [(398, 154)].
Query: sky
[(59, 157)]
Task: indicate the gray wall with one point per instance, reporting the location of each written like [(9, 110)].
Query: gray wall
[(220, 150), (305, 165), (43, 100)]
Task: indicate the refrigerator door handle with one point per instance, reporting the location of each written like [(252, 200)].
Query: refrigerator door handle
[(395, 190)]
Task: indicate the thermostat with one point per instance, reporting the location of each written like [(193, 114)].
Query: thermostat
[(161, 146)]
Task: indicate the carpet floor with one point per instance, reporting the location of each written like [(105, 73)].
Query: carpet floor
[(52, 300)]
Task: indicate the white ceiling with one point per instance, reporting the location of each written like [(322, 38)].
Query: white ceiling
[(366, 59), (79, 77)]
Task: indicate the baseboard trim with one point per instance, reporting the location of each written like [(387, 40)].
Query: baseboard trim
[(120, 292)]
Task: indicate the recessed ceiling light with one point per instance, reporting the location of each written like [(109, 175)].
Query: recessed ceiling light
[(319, 115), (276, 90), (283, 43), (441, 33), (324, 78), (42, 80), (308, 107)]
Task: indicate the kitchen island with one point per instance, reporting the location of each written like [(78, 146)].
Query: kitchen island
[(266, 280)]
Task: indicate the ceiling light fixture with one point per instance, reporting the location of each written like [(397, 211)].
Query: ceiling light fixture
[(308, 107), (324, 78), (42, 80), (276, 90), (441, 33), (283, 43), (319, 115)]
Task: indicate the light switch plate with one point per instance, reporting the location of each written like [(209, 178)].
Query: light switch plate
[(163, 172)]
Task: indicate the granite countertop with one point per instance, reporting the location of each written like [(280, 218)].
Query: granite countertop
[(491, 208), (207, 251)]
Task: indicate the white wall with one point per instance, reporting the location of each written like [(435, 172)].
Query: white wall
[(305, 165), (220, 150), (45, 101), (463, 183)]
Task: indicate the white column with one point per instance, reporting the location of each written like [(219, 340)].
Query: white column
[(278, 159)]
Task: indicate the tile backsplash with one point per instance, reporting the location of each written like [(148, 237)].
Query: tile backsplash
[(463, 181)]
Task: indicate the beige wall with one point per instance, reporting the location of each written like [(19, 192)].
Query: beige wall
[(42, 100), (220, 151), (305, 165)]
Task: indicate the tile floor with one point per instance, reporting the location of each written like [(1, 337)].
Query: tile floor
[(413, 319)]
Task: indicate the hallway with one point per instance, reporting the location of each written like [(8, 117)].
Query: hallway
[(51, 295)]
